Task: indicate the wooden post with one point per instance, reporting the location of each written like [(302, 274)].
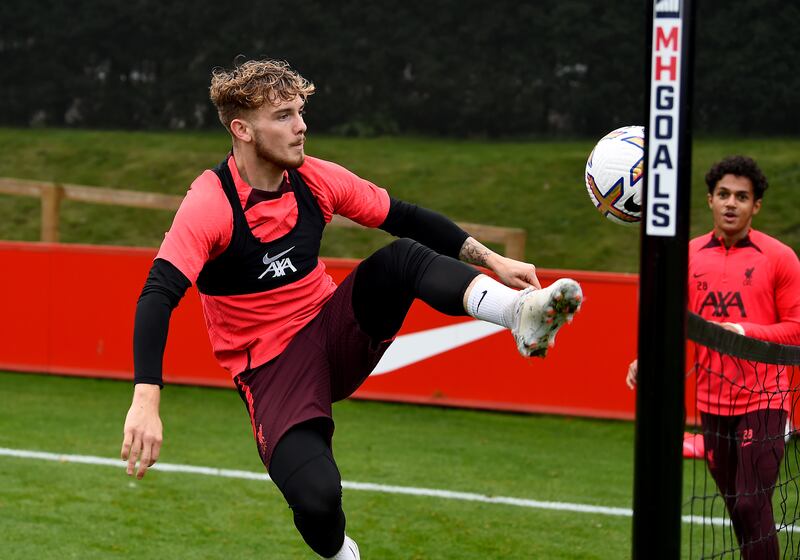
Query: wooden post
[(513, 239), (515, 244), (51, 195), (51, 208)]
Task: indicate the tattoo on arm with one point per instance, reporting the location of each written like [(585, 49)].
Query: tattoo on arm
[(474, 252)]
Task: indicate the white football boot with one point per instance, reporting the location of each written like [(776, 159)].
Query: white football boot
[(538, 314)]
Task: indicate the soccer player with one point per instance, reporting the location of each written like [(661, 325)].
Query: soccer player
[(248, 233), (750, 283)]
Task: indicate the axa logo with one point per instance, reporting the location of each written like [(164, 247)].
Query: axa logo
[(277, 265), (720, 302)]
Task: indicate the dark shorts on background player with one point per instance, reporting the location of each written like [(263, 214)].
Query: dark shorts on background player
[(325, 362), (744, 454)]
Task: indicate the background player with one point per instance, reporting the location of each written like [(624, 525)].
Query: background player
[(248, 235), (750, 283)]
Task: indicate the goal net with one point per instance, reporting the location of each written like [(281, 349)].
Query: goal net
[(742, 491)]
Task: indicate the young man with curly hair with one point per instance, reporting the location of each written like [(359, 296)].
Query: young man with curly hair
[(750, 283), (248, 234)]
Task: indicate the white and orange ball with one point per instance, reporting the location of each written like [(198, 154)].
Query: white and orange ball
[(614, 175)]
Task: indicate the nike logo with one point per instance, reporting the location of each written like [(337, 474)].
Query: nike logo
[(699, 275), (631, 206), (411, 348), (269, 260), (483, 295)]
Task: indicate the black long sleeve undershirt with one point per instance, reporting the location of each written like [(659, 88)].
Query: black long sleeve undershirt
[(163, 290), (425, 226)]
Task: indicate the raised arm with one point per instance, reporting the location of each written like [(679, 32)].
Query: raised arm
[(515, 274), (443, 236)]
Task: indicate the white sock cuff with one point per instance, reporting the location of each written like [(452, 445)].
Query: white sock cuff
[(491, 301)]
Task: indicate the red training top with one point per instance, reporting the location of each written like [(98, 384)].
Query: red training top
[(755, 283), (264, 322)]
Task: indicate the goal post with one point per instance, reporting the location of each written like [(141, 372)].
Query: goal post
[(660, 410)]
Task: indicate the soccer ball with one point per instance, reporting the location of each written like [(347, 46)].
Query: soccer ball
[(614, 175)]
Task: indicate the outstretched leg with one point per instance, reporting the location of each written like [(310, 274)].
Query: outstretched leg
[(387, 282)]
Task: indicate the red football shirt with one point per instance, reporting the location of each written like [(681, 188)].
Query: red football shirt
[(265, 322), (755, 283)]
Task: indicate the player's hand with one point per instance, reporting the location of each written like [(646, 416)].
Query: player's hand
[(515, 274), (633, 371), (734, 327), (143, 430)]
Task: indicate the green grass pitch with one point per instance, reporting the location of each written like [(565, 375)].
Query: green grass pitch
[(66, 510)]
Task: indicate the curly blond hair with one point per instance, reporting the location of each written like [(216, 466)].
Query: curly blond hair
[(251, 84)]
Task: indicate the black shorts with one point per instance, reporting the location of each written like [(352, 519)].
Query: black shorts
[(325, 362)]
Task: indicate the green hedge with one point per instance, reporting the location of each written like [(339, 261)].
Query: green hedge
[(444, 67)]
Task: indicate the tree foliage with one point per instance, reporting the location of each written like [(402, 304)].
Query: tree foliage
[(452, 67)]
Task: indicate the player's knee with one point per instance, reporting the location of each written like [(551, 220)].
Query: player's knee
[(403, 245), (315, 491), (395, 266), (322, 502), (750, 509), (409, 259), (398, 252)]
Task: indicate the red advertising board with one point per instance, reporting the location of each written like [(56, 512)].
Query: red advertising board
[(69, 309)]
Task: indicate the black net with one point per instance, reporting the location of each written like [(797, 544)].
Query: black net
[(744, 479)]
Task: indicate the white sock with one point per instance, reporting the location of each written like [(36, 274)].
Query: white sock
[(491, 301), (349, 550)]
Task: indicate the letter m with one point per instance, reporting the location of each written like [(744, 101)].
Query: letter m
[(665, 40)]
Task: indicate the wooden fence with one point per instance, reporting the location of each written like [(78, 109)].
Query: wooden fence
[(51, 194)]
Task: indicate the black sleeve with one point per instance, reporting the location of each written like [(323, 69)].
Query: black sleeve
[(164, 288), (426, 226)]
